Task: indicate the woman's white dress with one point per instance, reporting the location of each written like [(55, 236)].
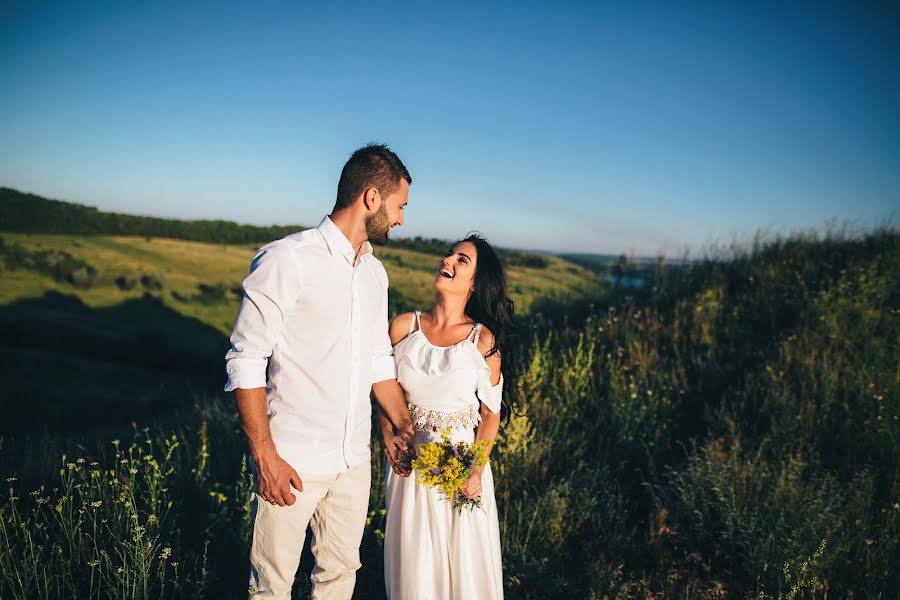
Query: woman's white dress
[(431, 551)]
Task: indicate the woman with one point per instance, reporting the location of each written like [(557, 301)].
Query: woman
[(450, 362)]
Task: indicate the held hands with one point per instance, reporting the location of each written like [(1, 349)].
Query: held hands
[(275, 478), (398, 449)]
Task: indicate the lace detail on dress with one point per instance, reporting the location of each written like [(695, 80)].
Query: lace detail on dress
[(427, 419)]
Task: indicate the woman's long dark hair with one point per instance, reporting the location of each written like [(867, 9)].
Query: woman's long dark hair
[(490, 305)]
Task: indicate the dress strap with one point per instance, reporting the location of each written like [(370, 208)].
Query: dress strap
[(414, 323), (476, 333)]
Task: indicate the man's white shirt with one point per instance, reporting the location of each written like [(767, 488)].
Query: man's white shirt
[(313, 330)]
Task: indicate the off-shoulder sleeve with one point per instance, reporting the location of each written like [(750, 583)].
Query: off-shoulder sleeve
[(490, 395)]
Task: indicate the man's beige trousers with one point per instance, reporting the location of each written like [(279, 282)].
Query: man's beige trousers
[(335, 508)]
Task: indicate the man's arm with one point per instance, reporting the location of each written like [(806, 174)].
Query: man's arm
[(387, 391), (271, 288), (274, 475), (392, 405), (395, 424), (395, 447)]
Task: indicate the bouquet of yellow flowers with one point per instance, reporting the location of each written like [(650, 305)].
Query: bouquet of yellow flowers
[(447, 466)]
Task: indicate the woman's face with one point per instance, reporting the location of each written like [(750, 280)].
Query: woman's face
[(456, 271)]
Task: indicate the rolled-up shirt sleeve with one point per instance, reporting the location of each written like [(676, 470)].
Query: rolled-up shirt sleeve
[(383, 367), (270, 291)]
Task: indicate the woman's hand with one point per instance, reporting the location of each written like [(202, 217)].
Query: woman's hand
[(398, 453), (472, 488)]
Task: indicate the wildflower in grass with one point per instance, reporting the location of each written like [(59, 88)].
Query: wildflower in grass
[(447, 466), (165, 554)]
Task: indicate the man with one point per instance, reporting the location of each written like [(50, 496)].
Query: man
[(314, 319)]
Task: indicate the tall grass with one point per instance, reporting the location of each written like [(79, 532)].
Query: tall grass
[(730, 431)]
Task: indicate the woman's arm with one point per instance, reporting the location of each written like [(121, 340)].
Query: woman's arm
[(490, 421)]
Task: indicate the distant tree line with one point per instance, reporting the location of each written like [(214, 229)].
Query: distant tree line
[(21, 212), (28, 213)]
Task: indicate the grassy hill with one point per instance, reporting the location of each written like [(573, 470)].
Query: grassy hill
[(122, 327), (202, 280), (730, 431)]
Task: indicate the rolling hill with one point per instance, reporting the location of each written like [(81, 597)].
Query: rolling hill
[(99, 329)]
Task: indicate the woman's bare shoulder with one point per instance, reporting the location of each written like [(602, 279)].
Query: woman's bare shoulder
[(399, 327), (485, 340)]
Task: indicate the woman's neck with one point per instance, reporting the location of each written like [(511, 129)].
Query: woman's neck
[(448, 310)]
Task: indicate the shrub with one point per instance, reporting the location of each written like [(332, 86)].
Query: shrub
[(60, 265), (127, 282), (211, 294), (153, 281)]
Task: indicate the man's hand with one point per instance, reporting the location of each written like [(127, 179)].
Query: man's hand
[(472, 488), (397, 451), (275, 478)]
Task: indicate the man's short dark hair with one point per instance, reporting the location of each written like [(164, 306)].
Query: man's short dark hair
[(373, 165)]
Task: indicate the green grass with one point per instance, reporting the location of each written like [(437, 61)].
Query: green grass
[(732, 430)]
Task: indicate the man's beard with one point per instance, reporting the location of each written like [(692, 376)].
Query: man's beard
[(378, 226)]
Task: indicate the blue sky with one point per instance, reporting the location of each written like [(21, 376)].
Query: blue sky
[(645, 128)]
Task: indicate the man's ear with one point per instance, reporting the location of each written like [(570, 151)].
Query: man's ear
[(372, 199)]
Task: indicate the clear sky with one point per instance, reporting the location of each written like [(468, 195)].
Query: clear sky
[(627, 126)]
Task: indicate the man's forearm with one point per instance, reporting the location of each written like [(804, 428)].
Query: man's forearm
[(392, 404), (384, 424), (251, 406)]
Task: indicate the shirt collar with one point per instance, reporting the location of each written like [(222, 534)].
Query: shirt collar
[(339, 244)]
